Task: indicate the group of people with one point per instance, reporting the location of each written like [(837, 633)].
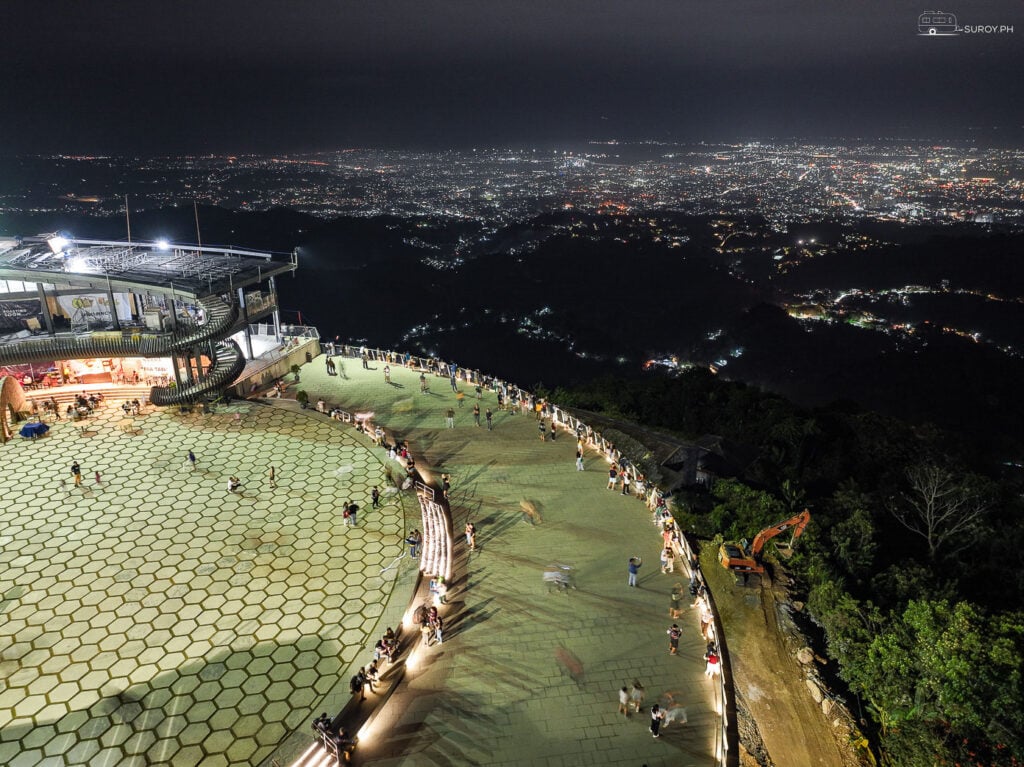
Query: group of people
[(431, 624), (335, 742)]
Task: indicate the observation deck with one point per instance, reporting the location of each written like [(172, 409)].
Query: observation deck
[(67, 299)]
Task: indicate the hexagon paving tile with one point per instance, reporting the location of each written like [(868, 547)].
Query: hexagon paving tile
[(153, 618)]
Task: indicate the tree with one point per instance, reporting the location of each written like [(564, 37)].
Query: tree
[(949, 514), (944, 683)]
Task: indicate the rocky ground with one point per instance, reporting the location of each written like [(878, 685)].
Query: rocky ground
[(782, 719)]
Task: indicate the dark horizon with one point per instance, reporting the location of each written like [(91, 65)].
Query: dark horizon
[(125, 78)]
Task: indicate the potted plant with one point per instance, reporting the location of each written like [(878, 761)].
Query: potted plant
[(302, 397), (295, 372)]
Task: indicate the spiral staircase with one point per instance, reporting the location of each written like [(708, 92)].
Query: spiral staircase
[(222, 319)]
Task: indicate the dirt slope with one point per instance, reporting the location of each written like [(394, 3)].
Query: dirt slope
[(769, 681)]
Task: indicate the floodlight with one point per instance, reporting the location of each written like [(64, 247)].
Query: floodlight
[(75, 264), (58, 243), (162, 244)]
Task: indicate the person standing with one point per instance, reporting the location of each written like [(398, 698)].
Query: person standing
[(613, 476), (423, 383), (357, 685), (76, 472), (634, 568), (476, 413), (490, 419), (460, 397), (414, 540), (625, 483), (190, 460), (667, 559), (471, 536), (542, 431), (657, 715), (714, 666), (624, 702), (449, 418), (552, 430), (579, 461), (272, 477), (675, 602), (437, 624), (387, 374), (674, 632), (375, 497)]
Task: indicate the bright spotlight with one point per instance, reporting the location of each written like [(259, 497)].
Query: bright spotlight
[(163, 245), (75, 264), (58, 243)]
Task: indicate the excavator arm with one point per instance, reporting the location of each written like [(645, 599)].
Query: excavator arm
[(733, 557), (798, 523)]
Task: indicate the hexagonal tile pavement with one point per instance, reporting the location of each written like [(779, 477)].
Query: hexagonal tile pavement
[(150, 616)]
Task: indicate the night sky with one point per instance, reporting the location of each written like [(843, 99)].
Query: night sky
[(92, 76)]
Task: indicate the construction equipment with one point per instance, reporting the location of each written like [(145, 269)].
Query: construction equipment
[(733, 556)]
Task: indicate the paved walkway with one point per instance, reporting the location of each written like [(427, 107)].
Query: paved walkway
[(526, 676), (154, 619)]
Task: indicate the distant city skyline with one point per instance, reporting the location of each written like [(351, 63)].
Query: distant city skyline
[(266, 76)]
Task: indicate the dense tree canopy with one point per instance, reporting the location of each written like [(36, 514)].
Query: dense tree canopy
[(913, 566)]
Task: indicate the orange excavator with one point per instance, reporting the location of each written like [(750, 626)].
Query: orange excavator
[(734, 557)]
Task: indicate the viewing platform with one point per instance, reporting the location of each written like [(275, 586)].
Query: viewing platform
[(152, 617)]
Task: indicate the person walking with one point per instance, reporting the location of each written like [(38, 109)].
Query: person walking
[(490, 419), (476, 414), (460, 397), (190, 460), (552, 430), (624, 702), (387, 374), (657, 715), (613, 476), (449, 418), (625, 483), (76, 472), (636, 696), (674, 632), (272, 477), (634, 568), (471, 536), (543, 432), (375, 498)]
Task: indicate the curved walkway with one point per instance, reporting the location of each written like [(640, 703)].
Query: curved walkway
[(526, 676)]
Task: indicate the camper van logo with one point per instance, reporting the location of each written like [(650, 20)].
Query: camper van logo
[(937, 23), (943, 24)]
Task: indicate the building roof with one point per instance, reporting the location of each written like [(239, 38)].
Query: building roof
[(190, 271)]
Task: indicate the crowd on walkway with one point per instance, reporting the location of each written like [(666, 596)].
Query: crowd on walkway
[(622, 477)]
